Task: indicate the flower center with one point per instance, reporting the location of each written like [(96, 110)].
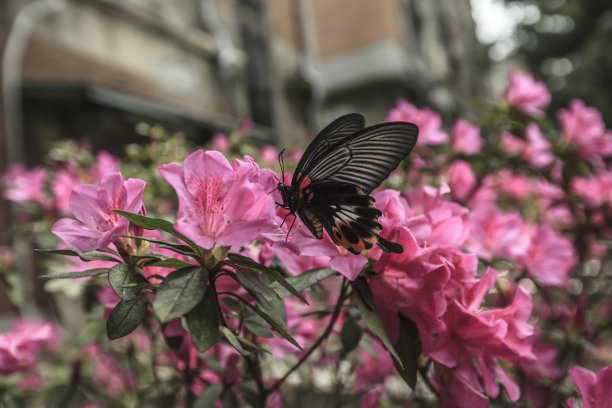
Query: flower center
[(211, 206)]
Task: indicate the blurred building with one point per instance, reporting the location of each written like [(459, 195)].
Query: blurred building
[(94, 68)]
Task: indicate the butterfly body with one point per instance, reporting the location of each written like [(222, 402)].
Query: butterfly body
[(330, 189)]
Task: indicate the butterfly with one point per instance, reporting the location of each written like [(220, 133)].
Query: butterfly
[(331, 185)]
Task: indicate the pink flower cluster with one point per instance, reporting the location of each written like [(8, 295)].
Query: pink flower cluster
[(527, 94), (583, 127), (22, 185), (19, 347), (429, 122), (435, 284)]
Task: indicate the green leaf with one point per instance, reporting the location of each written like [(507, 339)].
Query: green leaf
[(126, 317), (122, 278), (362, 297), (253, 283), (150, 223), (303, 281), (168, 263), (233, 304), (257, 325), (233, 340), (74, 275), (271, 273), (230, 400), (250, 393), (408, 348), (271, 316), (350, 335), (203, 322), (180, 292), (85, 256), (208, 397)]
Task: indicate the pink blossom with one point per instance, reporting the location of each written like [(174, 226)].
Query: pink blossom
[(517, 186), (22, 185), (108, 372), (536, 150), (96, 223), (106, 164), (64, 182), (219, 203), (536, 375), (595, 389), (473, 342), (584, 128), (513, 145), (269, 155), (496, 233), (486, 194), (549, 257), (596, 189), (18, 347), (461, 179), (527, 94), (370, 374), (537, 153), (447, 221), (220, 142), (466, 137), (429, 122)]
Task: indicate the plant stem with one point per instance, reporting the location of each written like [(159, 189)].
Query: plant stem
[(326, 333)]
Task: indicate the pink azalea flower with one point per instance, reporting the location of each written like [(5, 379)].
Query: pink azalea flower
[(486, 195), (221, 143), (536, 375), (461, 179), (96, 223), (527, 94), (466, 137), (512, 144), (596, 189), (108, 372), (105, 165), (448, 221), (370, 374), (18, 347), (495, 233), (22, 185), (219, 203), (549, 257), (269, 155), (584, 128), (595, 389), (473, 342), (64, 182), (428, 122), (517, 186), (537, 152)]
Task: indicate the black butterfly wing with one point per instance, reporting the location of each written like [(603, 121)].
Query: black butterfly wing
[(347, 214), (331, 136), (365, 159)]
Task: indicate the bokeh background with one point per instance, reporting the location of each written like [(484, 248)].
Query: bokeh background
[(107, 71)]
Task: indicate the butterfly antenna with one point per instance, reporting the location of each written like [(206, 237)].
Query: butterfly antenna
[(281, 163)]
